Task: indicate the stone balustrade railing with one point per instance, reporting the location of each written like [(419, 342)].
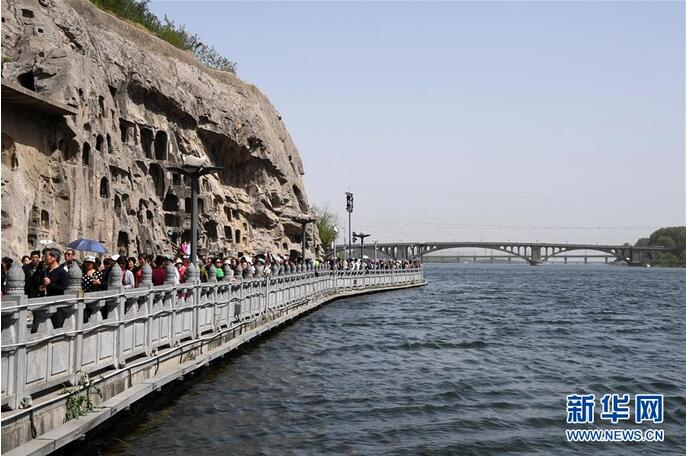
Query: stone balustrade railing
[(48, 341)]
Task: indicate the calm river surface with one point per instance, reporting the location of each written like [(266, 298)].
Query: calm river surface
[(477, 362)]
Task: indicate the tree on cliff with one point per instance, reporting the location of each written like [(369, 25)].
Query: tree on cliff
[(671, 237), (326, 223), (138, 11)]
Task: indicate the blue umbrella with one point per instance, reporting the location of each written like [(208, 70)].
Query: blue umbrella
[(87, 245)]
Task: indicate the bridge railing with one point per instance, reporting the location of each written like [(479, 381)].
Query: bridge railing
[(47, 342)]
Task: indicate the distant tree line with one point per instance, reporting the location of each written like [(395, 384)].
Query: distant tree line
[(138, 11), (671, 237)]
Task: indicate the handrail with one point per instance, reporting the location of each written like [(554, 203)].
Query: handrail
[(65, 335)]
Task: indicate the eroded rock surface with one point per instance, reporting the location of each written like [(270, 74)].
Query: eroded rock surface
[(140, 105)]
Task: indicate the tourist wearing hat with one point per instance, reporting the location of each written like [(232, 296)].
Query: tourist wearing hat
[(181, 269), (92, 279)]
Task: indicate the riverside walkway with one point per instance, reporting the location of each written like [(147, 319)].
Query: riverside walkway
[(115, 347)]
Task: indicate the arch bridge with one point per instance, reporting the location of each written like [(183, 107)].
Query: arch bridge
[(532, 252)]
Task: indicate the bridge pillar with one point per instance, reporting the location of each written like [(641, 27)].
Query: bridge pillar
[(635, 258), (536, 255), (606, 260), (630, 255), (565, 260), (586, 260), (474, 259), (510, 258)]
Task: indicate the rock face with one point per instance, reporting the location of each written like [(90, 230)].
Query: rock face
[(103, 109)]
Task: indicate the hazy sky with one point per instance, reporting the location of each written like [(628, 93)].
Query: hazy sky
[(467, 121)]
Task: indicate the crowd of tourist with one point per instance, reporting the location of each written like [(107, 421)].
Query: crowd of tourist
[(46, 272)]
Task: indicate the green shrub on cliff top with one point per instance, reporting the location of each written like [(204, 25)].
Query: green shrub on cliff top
[(137, 11)]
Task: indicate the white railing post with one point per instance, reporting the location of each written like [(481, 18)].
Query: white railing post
[(74, 287), (114, 286), (267, 294), (14, 317)]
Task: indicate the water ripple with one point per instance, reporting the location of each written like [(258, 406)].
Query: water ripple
[(477, 363)]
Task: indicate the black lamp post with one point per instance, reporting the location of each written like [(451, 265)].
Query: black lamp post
[(349, 209), (194, 169), (362, 237)]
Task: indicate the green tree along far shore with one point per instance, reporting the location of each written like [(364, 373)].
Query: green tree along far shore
[(137, 11), (672, 237), (326, 224)]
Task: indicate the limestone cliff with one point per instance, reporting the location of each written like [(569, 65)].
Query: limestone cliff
[(135, 105)]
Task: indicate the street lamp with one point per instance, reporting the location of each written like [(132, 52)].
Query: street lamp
[(362, 237), (336, 234), (349, 209), (194, 168)]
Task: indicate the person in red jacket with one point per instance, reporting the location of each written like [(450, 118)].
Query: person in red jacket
[(137, 268), (159, 271)]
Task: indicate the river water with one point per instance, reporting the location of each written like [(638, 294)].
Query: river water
[(478, 362)]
